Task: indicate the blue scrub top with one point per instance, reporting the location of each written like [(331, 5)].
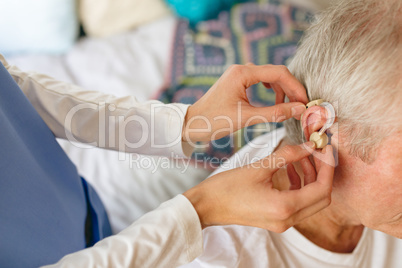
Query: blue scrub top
[(46, 209)]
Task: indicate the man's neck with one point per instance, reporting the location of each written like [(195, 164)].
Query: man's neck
[(325, 232), (330, 228)]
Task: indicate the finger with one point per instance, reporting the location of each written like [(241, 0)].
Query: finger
[(276, 113), (316, 192), (294, 178), (267, 85), (324, 179), (280, 98), (325, 158), (310, 211), (308, 171), (279, 94), (318, 157), (280, 75), (317, 163), (284, 156)]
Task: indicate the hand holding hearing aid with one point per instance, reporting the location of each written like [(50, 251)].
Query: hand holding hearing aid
[(226, 107), (320, 138)]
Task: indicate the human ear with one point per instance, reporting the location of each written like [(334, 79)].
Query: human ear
[(318, 117)]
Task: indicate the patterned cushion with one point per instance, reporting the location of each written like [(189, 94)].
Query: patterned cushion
[(260, 32)]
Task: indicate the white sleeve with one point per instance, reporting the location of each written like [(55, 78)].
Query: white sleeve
[(102, 120), (169, 236)]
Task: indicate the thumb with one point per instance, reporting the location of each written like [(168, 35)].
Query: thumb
[(277, 113)]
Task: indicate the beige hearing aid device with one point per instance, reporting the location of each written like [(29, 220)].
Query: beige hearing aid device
[(320, 138)]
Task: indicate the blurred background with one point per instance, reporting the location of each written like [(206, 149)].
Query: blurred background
[(170, 50)]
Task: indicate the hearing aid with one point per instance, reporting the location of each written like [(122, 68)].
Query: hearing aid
[(320, 138)]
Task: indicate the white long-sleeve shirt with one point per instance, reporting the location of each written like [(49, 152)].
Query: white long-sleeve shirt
[(166, 237)]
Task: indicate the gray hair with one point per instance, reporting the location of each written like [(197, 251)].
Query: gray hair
[(352, 57)]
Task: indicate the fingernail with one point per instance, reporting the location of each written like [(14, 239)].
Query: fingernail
[(310, 144), (298, 110)]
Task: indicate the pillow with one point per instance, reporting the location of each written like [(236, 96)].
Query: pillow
[(261, 32), (40, 26), (108, 17), (196, 10)]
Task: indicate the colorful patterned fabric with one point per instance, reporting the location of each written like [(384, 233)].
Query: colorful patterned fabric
[(260, 32)]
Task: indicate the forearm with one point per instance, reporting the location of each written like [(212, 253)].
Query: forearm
[(102, 120), (169, 236)]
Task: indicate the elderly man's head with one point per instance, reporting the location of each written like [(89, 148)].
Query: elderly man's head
[(352, 58)]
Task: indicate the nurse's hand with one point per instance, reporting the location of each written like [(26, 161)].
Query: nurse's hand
[(245, 196), (225, 108)]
